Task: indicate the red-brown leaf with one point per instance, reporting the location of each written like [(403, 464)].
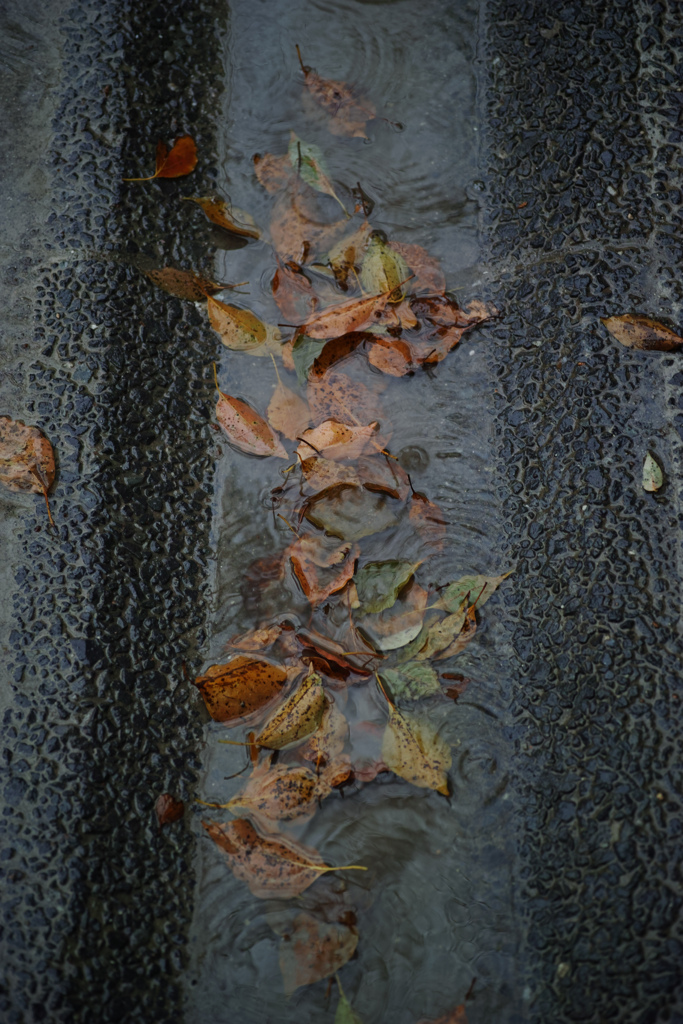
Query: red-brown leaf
[(168, 809)]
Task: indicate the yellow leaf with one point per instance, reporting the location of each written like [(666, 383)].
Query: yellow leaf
[(414, 750)]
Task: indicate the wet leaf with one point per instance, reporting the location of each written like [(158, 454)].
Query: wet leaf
[(168, 809), (640, 332), (469, 628), (348, 253), (297, 717), (184, 283), (331, 650), (241, 330), (391, 355), (246, 429), (345, 317), (308, 161), (304, 352), (326, 744), (379, 583), (270, 865), (399, 625), (442, 634), (414, 750), (384, 475), (350, 512), (27, 462), (310, 556), (456, 1016), (429, 278), (256, 639), (180, 160), (292, 292), (653, 478), (298, 232), (219, 212), (240, 687), (383, 270), (320, 474), (273, 172), (313, 949), (479, 588), (411, 681), (348, 115), (280, 793), (429, 522), (338, 397), (334, 351), (334, 440), (345, 1012), (287, 411)]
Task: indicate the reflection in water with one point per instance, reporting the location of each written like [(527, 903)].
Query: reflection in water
[(434, 910)]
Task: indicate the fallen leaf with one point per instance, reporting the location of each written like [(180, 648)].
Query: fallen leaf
[(479, 588), (310, 556), (640, 332), (220, 213), (246, 430), (345, 1012), (304, 352), (261, 580), (292, 291), (348, 116), (270, 866), (297, 232), (256, 639), (383, 269), (379, 583), (399, 625), (469, 628), (308, 161), (456, 1016), (275, 173), (334, 351), (168, 809), (241, 330), (348, 253), (180, 160), (349, 512), (328, 741), (429, 522), (384, 475), (442, 634), (280, 793), (414, 750), (653, 478), (240, 687), (313, 949), (27, 462), (429, 278), (345, 317), (334, 440), (391, 355), (320, 474), (297, 717), (287, 411), (338, 397), (411, 681), (184, 283), (331, 650)]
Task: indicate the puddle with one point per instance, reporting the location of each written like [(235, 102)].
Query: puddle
[(434, 910)]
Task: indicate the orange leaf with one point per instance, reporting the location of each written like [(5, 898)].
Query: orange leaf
[(281, 793), (313, 949), (218, 212), (310, 555), (640, 332), (241, 687), (287, 412), (27, 462), (246, 430), (348, 115), (334, 440), (339, 397), (180, 160), (345, 317), (274, 172), (391, 355)]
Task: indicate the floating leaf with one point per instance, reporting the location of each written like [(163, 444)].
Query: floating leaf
[(345, 317), (348, 115), (383, 270), (379, 584), (241, 330), (181, 159), (322, 645), (334, 440), (345, 1012), (349, 512), (292, 291), (479, 588), (313, 949), (348, 253), (240, 687), (334, 351), (469, 628), (428, 275), (235, 221), (299, 716), (399, 625), (184, 283), (270, 866), (304, 352), (298, 232), (320, 474), (326, 743), (428, 521), (256, 639), (391, 355), (640, 332), (27, 462), (309, 162), (414, 750), (653, 478), (246, 429), (168, 809), (384, 475), (273, 172), (280, 793), (411, 681), (287, 411)]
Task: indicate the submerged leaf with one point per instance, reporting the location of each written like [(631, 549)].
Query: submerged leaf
[(653, 477), (379, 584), (411, 681), (256, 639), (479, 589), (348, 115), (640, 332), (349, 512), (292, 291), (442, 634), (184, 283), (288, 412), (391, 355), (308, 161), (429, 278), (168, 809), (469, 628), (304, 351), (246, 429), (348, 253), (314, 949), (281, 792), (338, 397), (327, 742), (300, 715), (241, 330), (383, 270), (334, 440), (299, 232), (311, 556), (240, 687), (345, 1012), (414, 750), (397, 626), (220, 213)]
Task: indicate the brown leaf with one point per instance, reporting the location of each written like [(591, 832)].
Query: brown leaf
[(241, 687), (256, 639), (27, 462), (338, 397), (281, 793), (413, 749), (429, 278), (348, 115), (181, 159), (348, 252), (297, 717), (270, 866), (297, 232), (428, 521), (456, 1016), (391, 355), (313, 949), (384, 475), (640, 332), (345, 317), (334, 440), (184, 283), (248, 431), (168, 809), (311, 555), (292, 292), (336, 350), (325, 745), (241, 330), (319, 474), (275, 173), (219, 212), (288, 412), (331, 650), (349, 512), (263, 576)]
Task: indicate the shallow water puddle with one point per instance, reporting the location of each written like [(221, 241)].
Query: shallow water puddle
[(432, 910)]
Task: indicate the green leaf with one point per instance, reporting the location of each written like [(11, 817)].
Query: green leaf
[(412, 681), (383, 269), (653, 478), (308, 160), (304, 353), (480, 589), (379, 584), (345, 1012), (442, 634)]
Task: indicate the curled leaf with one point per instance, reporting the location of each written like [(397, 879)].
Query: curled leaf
[(298, 717), (220, 213), (27, 462), (640, 332)]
